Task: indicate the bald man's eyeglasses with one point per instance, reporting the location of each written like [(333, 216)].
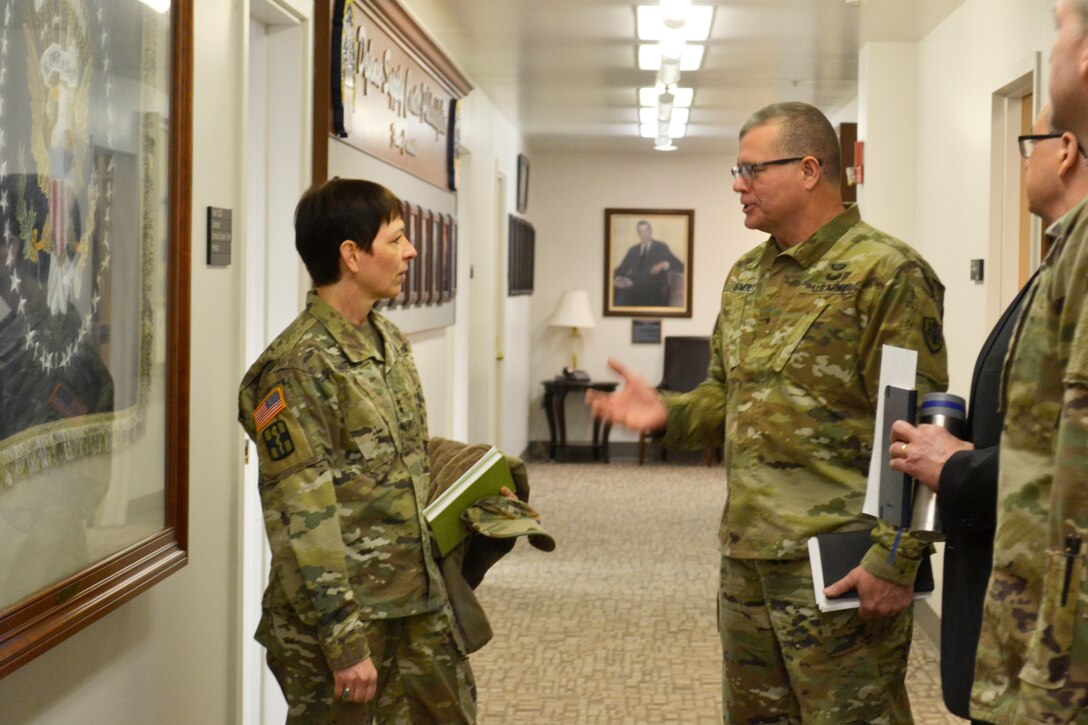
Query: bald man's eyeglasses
[(748, 171), (1028, 141)]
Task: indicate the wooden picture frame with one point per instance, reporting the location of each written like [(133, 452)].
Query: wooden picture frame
[(426, 255), (453, 256), (405, 296), (108, 234), (523, 183), (437, 261), (415, 271), (521, 257), (647, 262), (446, 287)]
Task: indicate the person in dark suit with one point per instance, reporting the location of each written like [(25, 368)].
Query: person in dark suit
[(964, 473), (642, 278)]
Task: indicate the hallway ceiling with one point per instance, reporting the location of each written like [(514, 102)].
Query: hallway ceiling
[(566, 71)]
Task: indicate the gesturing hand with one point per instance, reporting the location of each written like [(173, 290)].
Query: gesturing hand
[(637, 405)]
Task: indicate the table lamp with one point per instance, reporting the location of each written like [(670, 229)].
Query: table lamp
[(573, 312)]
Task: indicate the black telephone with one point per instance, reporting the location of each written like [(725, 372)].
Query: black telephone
[(576, 375)]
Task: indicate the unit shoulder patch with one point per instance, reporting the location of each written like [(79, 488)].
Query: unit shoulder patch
[(277, 440), (931, 332)]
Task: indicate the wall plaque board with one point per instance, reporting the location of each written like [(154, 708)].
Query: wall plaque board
[(390, 91)]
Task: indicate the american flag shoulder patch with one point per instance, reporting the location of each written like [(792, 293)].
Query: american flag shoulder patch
[(269, 408)]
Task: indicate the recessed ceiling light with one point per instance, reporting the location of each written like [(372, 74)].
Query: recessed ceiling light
[(649, 57), (651, 25)]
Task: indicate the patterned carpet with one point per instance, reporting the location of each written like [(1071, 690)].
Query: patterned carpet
[(617, 625)]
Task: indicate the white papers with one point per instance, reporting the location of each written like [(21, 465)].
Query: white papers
[(897, 367), (825, 604)]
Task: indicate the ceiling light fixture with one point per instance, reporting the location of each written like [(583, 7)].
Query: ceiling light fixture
[(651, 127), (672, 46), (649, 115), (649, 56), (668, 74), (682, 97), (696, 29), (679, 29), (664, 106), (675, 12)]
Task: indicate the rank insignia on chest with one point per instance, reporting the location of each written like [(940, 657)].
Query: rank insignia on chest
[(269, 408)]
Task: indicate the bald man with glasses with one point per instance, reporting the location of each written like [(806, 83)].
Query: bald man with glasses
[(1032, 662), (792, 391), (964, 473)]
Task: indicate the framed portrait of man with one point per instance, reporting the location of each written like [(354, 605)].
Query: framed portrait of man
[(648, 257)]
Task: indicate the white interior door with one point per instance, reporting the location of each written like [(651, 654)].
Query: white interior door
[(278, 170), (256, 678)]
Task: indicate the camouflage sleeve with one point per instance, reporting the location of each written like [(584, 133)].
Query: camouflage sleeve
[(697, 418), (1056, 670), (302, 519), (906, 312)]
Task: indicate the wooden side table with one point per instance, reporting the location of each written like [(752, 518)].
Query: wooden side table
[(555, 395)]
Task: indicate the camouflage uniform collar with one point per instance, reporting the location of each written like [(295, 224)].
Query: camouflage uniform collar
[(355, 345), (809, 251), (1058, 230)]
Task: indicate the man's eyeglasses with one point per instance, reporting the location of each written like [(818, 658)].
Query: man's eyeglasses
[(748, 172), (1027, 142)]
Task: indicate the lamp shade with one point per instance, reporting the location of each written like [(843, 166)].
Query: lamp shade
[(573, 310)]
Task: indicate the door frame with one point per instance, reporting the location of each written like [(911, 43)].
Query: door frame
[(277, 164), (1016, 83)]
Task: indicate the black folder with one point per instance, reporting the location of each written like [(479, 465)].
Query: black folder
[(834, 555), (896, 489)]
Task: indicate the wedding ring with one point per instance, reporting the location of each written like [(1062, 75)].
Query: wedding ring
[(346, 694), (902, 450)]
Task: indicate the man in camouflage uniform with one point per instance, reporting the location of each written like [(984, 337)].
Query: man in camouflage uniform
[(792, 389), (1032, 664), (355, 617)]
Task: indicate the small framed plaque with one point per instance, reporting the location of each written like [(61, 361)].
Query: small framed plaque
[(219, 237), (645, 332)]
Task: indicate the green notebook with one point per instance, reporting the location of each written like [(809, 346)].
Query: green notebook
[(485, 477)]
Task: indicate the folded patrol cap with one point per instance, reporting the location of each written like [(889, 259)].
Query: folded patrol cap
[(498, 517)]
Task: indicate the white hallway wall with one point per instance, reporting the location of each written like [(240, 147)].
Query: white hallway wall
[(960, 65), (492, 143), (980, 48), (569, 195)]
